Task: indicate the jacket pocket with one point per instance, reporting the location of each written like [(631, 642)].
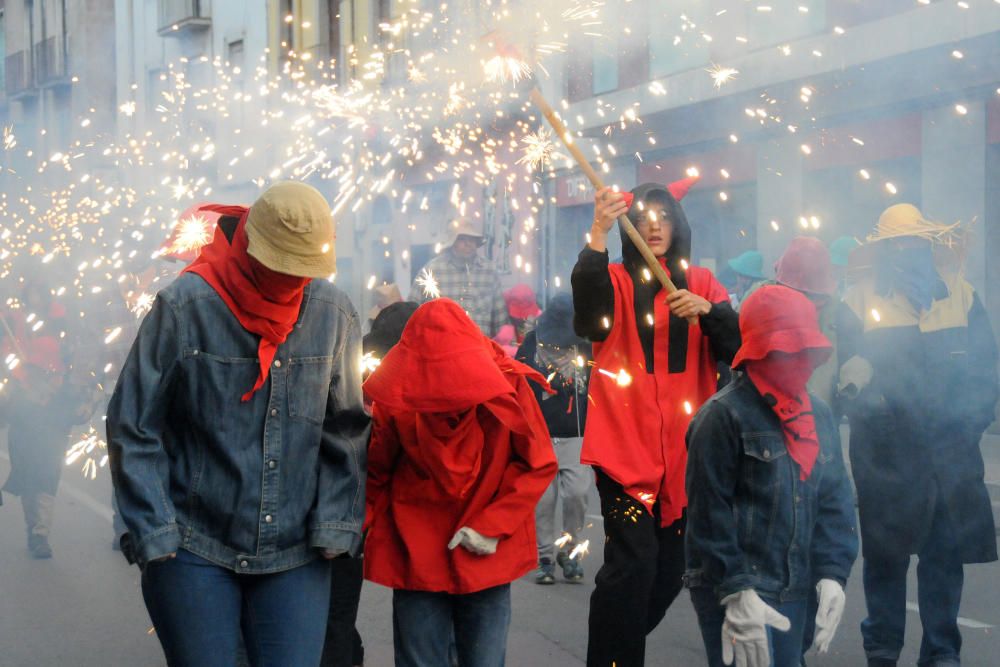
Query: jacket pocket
[(309, 387), (763, 464)]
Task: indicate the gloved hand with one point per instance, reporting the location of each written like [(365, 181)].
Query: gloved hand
[(831, 610), (855, 376), (474, 542), (744, 632)]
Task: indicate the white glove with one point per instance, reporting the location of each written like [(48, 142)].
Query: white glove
[(831, 610), (855, 375), (744, 632), (474, 542)]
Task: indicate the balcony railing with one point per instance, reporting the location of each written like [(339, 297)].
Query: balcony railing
[(19, 76), (50, 62), (178, 17)]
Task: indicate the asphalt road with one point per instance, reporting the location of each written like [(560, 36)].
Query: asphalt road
[(84, 607)]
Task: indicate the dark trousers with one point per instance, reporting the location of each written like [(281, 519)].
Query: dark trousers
[(785, 647), (641, 576), (425, 624), (343, 646), (940, 576), (200, 610)]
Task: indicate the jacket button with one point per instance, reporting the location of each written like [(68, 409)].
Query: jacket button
[(243, 563), (274, 412), (767, 453), (195, 352), (272, 464), (268, 519), (798, 498), (277, 363)]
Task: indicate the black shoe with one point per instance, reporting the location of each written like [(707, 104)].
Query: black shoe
[(881, 662), (38, 547), (546, 573)]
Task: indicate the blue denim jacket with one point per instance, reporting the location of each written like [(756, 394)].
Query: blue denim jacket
[(256, 487), (752, 523)]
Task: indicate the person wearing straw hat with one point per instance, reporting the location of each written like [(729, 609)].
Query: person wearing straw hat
[(770, 507), (237, 438), (459, 458), (655, 357), (460, 273), (918, 381)]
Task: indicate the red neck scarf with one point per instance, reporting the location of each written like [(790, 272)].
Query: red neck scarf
[(265, 302), (781, 379)]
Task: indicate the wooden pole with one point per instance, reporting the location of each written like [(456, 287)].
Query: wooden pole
[(550, 115)]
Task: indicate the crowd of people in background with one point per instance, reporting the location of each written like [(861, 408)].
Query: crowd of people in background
[(267, 458)]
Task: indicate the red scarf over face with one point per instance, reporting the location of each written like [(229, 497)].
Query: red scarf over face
[(781, 379), (265, 302)]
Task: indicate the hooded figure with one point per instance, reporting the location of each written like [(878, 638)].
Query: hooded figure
[(654, 365), (918, 381), (771, 513), (237, 438), (555, 351), (458, 460)]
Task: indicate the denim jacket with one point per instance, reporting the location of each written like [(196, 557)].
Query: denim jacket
[(256, 487), (752, 523)]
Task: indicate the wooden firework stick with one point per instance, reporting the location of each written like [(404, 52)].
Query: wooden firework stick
[(560, 129)]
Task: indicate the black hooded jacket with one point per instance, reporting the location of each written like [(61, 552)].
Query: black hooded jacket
[(593, 293)]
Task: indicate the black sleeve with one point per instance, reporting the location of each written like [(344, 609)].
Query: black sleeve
[(983, 382), (850, 331), (593, 295), (526, 355), (722, 326)]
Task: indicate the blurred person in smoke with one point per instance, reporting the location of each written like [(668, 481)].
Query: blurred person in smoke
[(384, 296), (466, 277), (343, 646), (748, 268), (237, 439), (655, 364), (459, 458), (522, 311), (805, 267), (919, 383), (555, 351), (840, 259), (770, 506), (44, 399)]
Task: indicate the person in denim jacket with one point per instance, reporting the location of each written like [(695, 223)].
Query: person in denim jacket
[(237, 439), (770, 508)]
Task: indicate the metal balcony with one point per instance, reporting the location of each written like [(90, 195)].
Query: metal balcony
[(182, 17), (19, 81), (50, 63)]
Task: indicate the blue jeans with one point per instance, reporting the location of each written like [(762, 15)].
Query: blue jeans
[(786, 647), (423, 624), (940, 576), (200, 610)]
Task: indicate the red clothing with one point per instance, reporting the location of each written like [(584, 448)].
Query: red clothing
[(483, 465), (635, 430), (265, 302)]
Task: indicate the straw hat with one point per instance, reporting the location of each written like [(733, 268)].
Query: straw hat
[(902, 220), (290, 230)]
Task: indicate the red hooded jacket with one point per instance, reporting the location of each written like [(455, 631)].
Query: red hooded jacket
[(458, 440)]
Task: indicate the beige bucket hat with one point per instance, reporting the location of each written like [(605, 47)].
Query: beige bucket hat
[(462, 227), (290, 230)]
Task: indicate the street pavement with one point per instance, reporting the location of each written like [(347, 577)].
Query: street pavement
[(84, 607)]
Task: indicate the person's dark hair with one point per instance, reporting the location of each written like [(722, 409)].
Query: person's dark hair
[(387, 328)]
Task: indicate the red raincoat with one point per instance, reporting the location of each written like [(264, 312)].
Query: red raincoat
[(458, 440), (636, 426)]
